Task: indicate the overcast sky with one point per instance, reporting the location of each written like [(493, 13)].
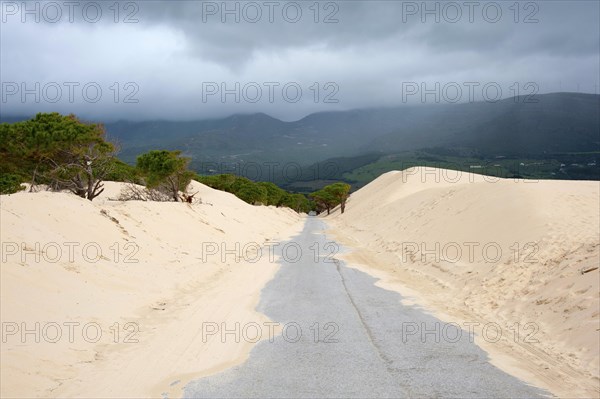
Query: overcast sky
[(174, 59)]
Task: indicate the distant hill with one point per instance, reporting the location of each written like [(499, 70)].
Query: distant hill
[(555, 124), (562, 122), (259, 137)]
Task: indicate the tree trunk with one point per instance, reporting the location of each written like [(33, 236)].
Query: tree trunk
[(33, 179), (90, 182)]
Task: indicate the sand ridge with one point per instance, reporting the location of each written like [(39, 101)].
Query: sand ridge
[(127, 321), (481, 249), (136, 283)]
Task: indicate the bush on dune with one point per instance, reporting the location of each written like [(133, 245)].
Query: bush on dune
[(10, 184), (166, 172), (331, 196), (257, 193), (58, 150)]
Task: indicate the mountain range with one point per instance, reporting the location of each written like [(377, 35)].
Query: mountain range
[(518, 127)]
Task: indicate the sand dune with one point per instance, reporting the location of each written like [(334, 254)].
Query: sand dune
[(487, 250), (143, 298), (121, 291)]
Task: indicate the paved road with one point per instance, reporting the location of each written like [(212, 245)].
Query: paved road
[(373, 355)]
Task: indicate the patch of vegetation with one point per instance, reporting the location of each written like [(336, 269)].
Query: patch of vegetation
[(10, 184), (257, 193), (331, 196), (165, 171), (59, 151), (65, 153), (123, 172)]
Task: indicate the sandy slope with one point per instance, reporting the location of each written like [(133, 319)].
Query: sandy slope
[(507, 252), (163, 282)]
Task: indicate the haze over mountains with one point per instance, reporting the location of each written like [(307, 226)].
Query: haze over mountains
[(562, 122), (547, 126)]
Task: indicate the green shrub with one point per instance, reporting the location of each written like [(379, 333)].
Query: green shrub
[(122, 172), (257, 193), (10, 184)]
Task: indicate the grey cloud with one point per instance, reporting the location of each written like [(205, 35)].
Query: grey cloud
[(369, 54)]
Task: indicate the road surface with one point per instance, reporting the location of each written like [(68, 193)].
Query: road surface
[(366, 343)]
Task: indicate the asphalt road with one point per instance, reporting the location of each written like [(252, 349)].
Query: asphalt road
[(373, 346)]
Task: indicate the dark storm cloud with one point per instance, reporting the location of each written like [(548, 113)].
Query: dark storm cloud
[(340, 54)]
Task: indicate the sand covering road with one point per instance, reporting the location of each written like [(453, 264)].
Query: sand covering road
[(487, 250)]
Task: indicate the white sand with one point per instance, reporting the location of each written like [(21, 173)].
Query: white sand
[(167, 295), (172, 290), (413, 210)]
